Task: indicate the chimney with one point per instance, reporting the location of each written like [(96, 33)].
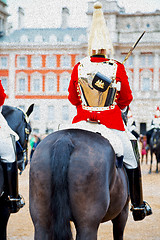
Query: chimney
[(65, 15), (20, 18)]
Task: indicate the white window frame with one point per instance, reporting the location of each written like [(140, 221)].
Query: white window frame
[(66, 61), (22, 76), (47, 79), (145, 60), (36, 64), (1, 66), (63, 77), (19, 63), (34, 77), (146, 74), (48, 61)]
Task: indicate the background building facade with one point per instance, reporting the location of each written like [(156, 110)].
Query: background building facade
[(36, 64)]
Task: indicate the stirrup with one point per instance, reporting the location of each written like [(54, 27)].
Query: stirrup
[(15, 204), (139, 213), (148, 208)]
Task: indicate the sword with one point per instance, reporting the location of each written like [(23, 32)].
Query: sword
[(133, 47)]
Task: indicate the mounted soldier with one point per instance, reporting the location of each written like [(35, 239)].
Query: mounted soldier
[(100, 90), (8, 160)]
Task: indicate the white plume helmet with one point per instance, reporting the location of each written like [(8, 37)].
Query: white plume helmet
[(99, 37)]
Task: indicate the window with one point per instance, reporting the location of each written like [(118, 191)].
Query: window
[(146, 84), (65, 112), (130, 61), (51, 113), (51, 84), (146, 80), (21, 85), (64, 82), (128, 25), (4, 81), (36, 112), (22, 62), (66, 61), (51, 61), (36, 62), (146, 60), (36, 83), (3, 62)]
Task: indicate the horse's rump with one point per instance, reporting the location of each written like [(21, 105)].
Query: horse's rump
[(73, 171)]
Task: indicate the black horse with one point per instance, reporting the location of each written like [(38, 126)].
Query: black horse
[(18, 121), (153, 139), (73, 177)]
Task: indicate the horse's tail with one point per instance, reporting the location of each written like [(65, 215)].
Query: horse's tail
[(62, 150)]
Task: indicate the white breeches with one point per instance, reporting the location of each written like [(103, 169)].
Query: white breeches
[(120, 140), (7, 152), (129, 157)]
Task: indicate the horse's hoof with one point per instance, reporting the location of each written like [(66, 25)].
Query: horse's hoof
[(149, 172)]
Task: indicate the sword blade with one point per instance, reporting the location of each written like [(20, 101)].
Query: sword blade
[(133, 47)]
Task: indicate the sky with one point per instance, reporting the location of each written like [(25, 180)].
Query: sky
[(47, 13)]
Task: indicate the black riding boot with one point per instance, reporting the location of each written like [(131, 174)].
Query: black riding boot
[(15, 201), (140, 208)]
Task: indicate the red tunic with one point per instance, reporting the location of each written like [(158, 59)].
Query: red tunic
[(2, 94), (110, 118)]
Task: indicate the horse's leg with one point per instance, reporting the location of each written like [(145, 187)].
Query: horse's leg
[(40, 205), (119, 223), (146, 156), (150, 170), (156, 163), (86, 232)]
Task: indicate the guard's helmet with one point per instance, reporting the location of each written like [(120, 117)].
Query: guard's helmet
[(99, 35)]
